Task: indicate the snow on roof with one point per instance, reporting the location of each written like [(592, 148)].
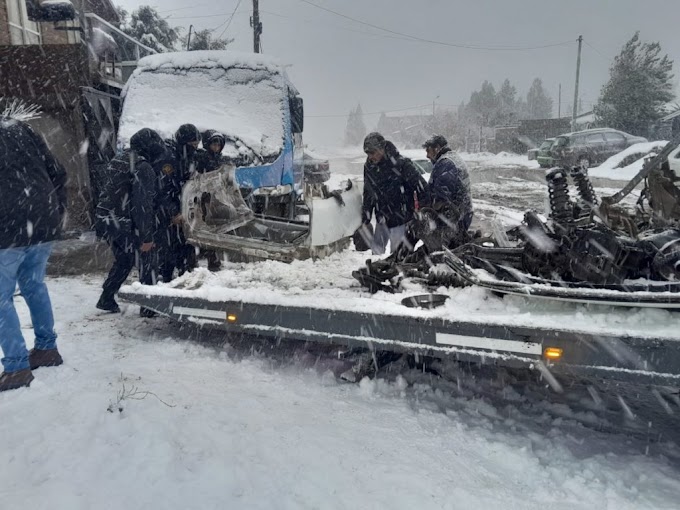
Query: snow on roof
[(240, 95), (610, 169), (56, 2), (209, 59)]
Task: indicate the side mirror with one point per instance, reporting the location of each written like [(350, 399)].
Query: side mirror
[(297, 114)]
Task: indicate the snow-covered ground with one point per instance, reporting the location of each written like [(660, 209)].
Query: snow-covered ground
[(212, 422), (204, 425)]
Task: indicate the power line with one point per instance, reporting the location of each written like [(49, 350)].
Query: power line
[(431, 41), (184, 8), (316, 22), (228, 21), (597, 51), (297, 20)]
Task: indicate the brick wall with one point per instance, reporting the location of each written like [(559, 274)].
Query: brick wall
[(52, 36), (4, 24)]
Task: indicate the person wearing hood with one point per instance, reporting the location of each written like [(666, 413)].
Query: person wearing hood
[(210, 158), (32, 208), (392, 184), (174, 251), (449, 202), (126, 213)]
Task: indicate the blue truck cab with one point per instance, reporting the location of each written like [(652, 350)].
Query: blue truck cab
[(246, 97)]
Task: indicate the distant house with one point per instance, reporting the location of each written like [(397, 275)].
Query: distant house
[(669, 126), (71, 60)]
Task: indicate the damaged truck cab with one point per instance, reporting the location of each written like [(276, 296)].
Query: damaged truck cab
[(261, 203)]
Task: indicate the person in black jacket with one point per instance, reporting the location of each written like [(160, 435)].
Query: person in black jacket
[(126, 213), (174, 251), (392, 184), (447, 210), (209, 159), (32, 206)]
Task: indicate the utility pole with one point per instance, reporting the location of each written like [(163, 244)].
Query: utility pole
[(578, 75), (257, 27), (559, 103), (191, 27)]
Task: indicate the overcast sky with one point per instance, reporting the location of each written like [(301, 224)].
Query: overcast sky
[(337, 63)]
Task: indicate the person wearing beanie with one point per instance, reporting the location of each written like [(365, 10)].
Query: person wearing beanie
[(392, 185)]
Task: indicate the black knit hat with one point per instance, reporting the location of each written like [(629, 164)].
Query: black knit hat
[(187, 133), (435, 141), (374, 141)]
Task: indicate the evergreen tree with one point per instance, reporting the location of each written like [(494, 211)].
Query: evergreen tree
[(640, 84), (149, 28), (484, 105), (507, 97), (539, 104), (201, 40), (356, 129)]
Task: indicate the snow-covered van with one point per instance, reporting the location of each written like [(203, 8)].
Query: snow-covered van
[(249, 99)]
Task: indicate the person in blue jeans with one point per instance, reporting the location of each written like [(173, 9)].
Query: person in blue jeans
[(32, 205)]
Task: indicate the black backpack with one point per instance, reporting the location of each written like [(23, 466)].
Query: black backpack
[(113, 218)]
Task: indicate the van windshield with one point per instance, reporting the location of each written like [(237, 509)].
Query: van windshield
[(246, 105)]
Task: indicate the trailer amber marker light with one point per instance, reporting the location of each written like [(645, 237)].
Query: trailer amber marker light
[(231, 317), (553, 353)]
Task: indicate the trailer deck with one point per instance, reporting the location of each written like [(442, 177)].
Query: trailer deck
[(317, 302)]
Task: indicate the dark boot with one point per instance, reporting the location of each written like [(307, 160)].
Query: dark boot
[(108, 305), (214, 262), (14, 380), (44, 358)]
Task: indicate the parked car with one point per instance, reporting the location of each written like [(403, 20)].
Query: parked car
[(591, 147), (544, 157), (424, 166)]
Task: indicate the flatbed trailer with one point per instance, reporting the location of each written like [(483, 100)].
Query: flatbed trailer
[(560, 350)]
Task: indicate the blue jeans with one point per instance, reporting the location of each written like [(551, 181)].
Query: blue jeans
[(26, 267)]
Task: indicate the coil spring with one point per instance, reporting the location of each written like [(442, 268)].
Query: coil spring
[(561, 207), (585, 189)]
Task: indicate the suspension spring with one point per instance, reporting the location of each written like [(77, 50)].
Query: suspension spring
[(561, 207), (585, 189)]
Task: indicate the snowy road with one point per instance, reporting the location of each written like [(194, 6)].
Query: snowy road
[(223, 428)]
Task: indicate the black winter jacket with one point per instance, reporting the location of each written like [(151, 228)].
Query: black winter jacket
[(389, 188), (32, 187), (449, 185), (144, 203), (175, 171)]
